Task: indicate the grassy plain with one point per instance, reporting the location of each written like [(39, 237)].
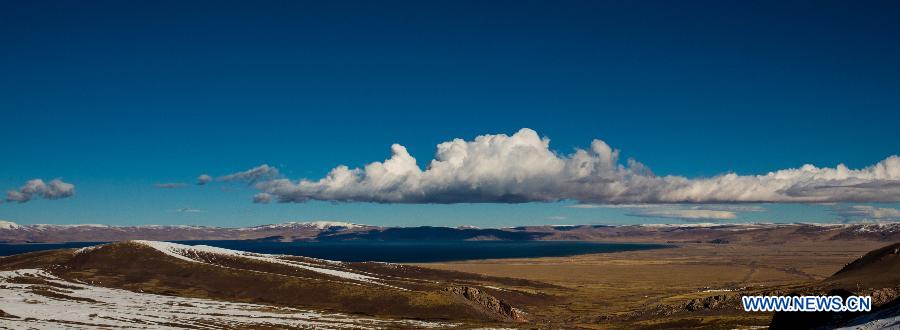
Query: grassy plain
[(614, 289)]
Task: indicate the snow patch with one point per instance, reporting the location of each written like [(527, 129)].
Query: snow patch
[(116, 308), (194, 253), (9, 225), (684, 225)]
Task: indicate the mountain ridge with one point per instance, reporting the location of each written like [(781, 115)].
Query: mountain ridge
[(11, 232)]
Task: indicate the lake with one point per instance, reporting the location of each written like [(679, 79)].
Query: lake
[(394, 251)]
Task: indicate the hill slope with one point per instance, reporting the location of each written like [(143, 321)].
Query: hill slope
[(876, 269), (380, 290)]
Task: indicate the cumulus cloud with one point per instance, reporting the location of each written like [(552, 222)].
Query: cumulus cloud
[(262, 198), (170, 185), (55, 189), (203, 179), (261, 172), (867, 212), (522, 168)]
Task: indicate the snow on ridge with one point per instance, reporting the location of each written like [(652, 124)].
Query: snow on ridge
[(43, 226), (329, 224), (170, 227), (735, 225), (9, 225), (320, 225), (47, 226), (192, 253), (686, 225), (858, 227), (118, 308), (877, 227), (88, 248)]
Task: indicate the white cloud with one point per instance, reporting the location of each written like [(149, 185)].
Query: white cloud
[(522, 168), (611, 206), (733, 208), (55, 189), (188, 210), (678, 211), (684, 214), (868, 212), (262, 172), (585, 206), (262, 198), (203, 179), (170, 185)]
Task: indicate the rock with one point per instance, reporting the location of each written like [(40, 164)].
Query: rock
[(491, 303), (5, 314)]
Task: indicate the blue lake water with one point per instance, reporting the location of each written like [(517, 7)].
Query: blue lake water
[(394, 251)]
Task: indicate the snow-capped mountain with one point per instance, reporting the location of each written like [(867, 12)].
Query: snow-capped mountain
[(46, 233), (7, 225), (335, 230)]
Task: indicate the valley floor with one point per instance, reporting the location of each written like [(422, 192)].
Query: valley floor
[(605, 289)]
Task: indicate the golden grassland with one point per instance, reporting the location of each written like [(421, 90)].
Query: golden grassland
[(599, 289)]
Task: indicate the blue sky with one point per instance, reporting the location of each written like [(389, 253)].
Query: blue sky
[(115, 97)]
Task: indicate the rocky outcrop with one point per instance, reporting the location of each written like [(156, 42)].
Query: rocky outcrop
[(885, 295), (490, 303), (713, 302)]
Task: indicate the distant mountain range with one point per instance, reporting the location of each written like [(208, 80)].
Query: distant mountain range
[(14, 233), (330, 231)]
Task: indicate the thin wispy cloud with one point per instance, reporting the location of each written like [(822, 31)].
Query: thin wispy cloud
[(585, 206), (678, 211), (187, 210), (612, 206), (522, 168), (170, 185), (262, 198), (259, 173), (734, 208), (867, 212), (55, 189), (683, 214)]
